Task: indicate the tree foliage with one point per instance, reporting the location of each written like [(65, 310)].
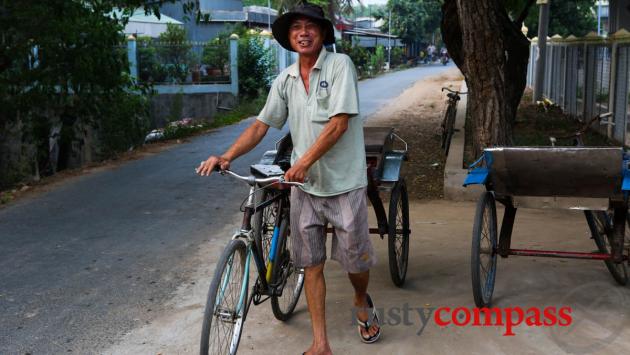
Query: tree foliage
[(69, 69), (174, 52), (566, 18), (412, 20)]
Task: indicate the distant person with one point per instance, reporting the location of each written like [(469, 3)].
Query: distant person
[(431, 52)]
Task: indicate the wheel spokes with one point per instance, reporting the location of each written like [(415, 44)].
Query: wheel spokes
[(225, 314)]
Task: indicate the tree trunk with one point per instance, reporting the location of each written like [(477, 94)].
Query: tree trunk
[(492, 54)]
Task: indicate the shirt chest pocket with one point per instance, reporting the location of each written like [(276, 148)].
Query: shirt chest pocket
[(323, 103)]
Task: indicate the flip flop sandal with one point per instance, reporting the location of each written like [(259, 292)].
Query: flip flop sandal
[(373, 318)]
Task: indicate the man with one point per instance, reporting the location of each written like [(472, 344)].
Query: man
[(431, 52), (318, 97)]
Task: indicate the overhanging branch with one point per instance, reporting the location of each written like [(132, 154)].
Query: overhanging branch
[(525, 12)]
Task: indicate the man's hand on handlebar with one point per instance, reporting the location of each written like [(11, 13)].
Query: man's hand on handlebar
[(207, 166), (297, 173)]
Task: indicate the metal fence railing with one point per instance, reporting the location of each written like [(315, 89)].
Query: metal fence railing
[(588, 76), (183, 63), (186, 67)]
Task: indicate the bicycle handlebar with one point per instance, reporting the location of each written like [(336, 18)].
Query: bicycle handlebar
[(585, 127), (454, 91), (252, 180)]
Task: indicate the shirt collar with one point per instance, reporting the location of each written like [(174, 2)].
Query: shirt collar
[(294, 69), (320, 60)]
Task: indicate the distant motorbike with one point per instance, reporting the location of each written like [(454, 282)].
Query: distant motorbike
[(444, 59)]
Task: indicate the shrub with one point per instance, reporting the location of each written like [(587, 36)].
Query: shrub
[(175, 53), (377, 60)]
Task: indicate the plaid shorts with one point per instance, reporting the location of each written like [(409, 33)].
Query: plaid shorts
[(347, 214)]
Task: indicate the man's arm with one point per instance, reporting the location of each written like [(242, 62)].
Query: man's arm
[(331, 133), (243, 144)]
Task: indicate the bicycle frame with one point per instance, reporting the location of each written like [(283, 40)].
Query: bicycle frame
[(265, 272)]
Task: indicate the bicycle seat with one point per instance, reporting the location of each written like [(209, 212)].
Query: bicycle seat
[(452, 96), (266, 170), (284, 148)]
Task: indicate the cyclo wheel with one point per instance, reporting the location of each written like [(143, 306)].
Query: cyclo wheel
[(601, 230), (483, 261), (398, 233), (226, 306), (290, 278)]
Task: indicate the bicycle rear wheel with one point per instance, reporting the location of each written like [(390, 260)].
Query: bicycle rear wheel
[(226, 306), (289, 278), (263, 224), (450, 129), (444, 126)]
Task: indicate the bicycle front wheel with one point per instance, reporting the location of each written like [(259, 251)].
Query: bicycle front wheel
[(226, 306), (289, 278)]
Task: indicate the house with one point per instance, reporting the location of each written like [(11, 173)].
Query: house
[(141, 24), (221, 14), (365, 32)]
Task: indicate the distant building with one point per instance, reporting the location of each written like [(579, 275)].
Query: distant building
[(619, 15), (601, 11), (141, 24), (366, 32), (221, 15)]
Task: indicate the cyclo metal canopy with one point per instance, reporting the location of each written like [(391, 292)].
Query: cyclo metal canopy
[(556, 171)]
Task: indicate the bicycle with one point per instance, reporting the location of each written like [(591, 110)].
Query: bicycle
[(267, 242), (448, 122), (600, 223)]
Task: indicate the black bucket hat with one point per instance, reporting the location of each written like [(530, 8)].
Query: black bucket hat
[(280, 27)]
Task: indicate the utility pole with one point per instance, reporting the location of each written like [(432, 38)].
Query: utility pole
[(599, 17), (389, 39), (269, 15), (543, 25)]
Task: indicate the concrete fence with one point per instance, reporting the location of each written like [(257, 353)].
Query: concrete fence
[(588, 76)]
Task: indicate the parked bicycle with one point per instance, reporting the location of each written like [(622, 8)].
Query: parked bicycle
[(448, 123), (267, 241), (600, 223)]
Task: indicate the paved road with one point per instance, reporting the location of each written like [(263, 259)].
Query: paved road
[(101, 254)]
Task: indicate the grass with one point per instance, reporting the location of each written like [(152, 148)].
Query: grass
[(246, 108)]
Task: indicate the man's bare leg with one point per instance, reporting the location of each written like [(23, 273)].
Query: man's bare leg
[(360, 283), (315, 287)]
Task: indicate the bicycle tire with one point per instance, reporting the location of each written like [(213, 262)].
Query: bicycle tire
[(263, 225), (292, 279), (445, 125), (226, 305), (485, 227), (450, 130), (398, 243), (601, 231)]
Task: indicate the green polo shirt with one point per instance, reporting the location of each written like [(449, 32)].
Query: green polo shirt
[(333, 91)]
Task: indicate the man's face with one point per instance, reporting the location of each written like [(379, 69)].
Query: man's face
[(306, 37)]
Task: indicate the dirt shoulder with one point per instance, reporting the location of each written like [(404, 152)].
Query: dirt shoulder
[(416, 115)]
